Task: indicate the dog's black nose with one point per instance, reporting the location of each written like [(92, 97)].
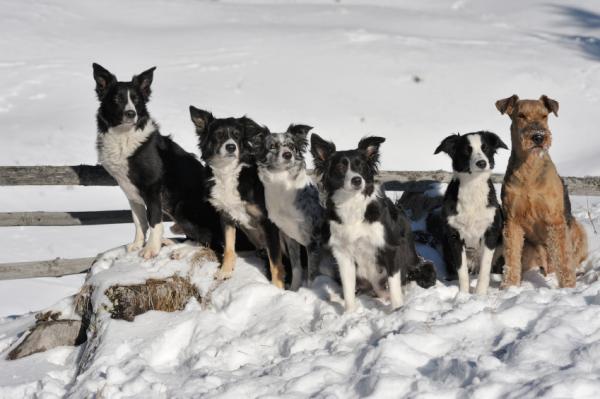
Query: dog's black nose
[(356, 181), (230, 148), (129, 114), (538, 138), (287, 155), (481, 164)]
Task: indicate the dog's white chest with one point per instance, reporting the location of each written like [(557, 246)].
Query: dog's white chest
[(225, 195), (114, 149), (358, 239), (474, 216), (281, 193)]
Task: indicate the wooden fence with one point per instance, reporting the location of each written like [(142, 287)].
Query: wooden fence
[(95, 175)]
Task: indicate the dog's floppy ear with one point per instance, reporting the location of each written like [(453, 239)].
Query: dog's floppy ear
[(370, 145), (493, 140), (103, 80), (550, 104), (448, 145), (320, 149), (201, 120), (299, 133), (507, 105), (143, 82), (300, 130)]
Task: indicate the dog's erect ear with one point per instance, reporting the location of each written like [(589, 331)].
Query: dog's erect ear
[(550, 104), (507, 105), (253, 129), (493, 140), (299, 130), (143, 82), (103, 80), (370, 145), (320, 149), (448, 145), (201, 119)]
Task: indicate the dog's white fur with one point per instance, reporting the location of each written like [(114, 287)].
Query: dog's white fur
[(281, 191), (225, 196)]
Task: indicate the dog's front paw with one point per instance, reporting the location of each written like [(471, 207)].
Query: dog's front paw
[(223, 274), (135, 246), (149, 251)]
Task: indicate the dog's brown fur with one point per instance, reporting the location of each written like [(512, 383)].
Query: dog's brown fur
[(539, 229)]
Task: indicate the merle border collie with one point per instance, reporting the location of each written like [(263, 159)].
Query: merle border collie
[(235, 189), (155, 173), (369, 236), (291, 196), (469, 227)]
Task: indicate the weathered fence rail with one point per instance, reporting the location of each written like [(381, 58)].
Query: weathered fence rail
[(95, 175)]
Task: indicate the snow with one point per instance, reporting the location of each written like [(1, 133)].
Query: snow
[(412, 72), (251, 339)]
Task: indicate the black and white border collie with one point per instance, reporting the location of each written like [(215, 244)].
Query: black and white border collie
[(369, 236), (235, 189), (470, 226), (155, 174), (291, 196)]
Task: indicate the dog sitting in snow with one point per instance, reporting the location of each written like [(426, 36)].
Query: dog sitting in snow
[(539, 228), (235, 189), (469, 226), (155, 174), (291, 196), (369, 236)]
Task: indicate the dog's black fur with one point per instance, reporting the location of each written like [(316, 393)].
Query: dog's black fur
[(354, 208), (485, 221), (156, 173), (232, 179)]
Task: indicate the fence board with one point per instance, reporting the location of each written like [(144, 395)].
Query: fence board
[(95, 175), (47, 268)]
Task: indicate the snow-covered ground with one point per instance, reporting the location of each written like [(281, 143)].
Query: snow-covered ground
[(253, 340), (412, 71)]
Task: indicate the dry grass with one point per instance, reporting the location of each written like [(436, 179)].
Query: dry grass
[(168, 295)]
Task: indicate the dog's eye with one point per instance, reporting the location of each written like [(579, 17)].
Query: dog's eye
[(133, 97), (522, 116), (221, 135), (273, 146), (484, 147), (340, 167)]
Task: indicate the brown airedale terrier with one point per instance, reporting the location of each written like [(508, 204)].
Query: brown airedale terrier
[(539, 229)]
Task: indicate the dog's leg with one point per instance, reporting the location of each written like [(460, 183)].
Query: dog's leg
[(395, 287), (229, 256), (579, 243), (558, 249), (513, 251), (485, 268), (348, 277), (274, 253), (138, 212), (314, 259), (294, 250), (154, 214), (463, 272)]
